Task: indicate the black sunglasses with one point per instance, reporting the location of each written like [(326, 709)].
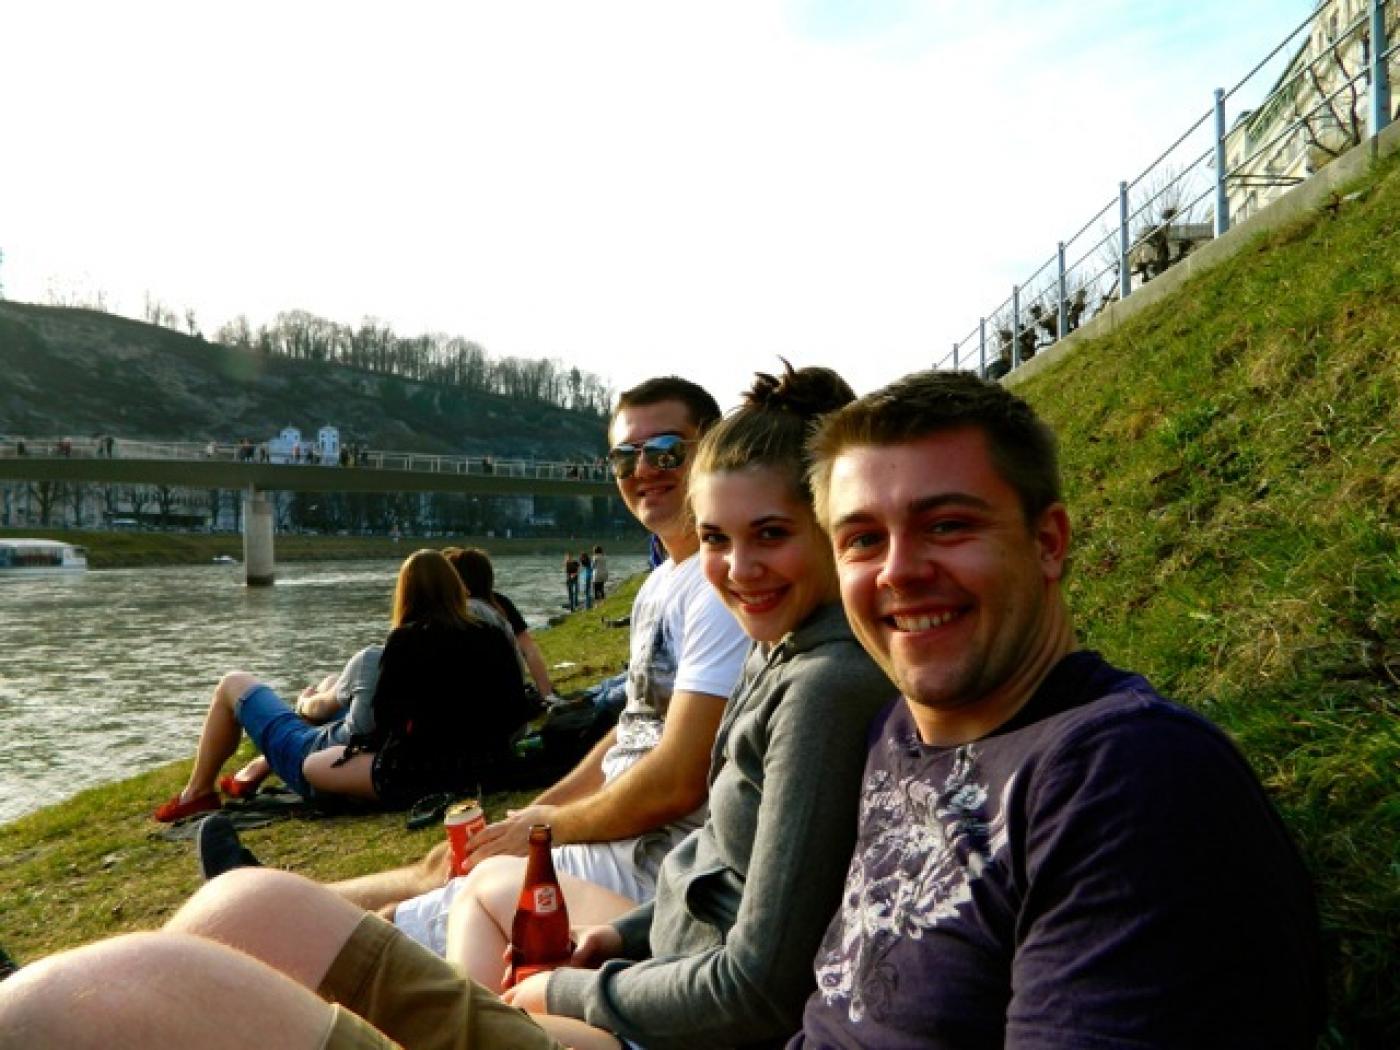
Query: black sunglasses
[(663, 452)]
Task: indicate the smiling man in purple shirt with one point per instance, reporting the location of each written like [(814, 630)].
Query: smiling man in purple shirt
[(1050, 855)]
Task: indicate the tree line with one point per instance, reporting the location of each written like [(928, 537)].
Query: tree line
[(437, 358)]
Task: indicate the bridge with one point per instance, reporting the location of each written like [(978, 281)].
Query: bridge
[(213, 466)]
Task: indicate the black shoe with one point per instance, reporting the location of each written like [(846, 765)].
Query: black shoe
[(428, 810), (7, 965), (219, 848)]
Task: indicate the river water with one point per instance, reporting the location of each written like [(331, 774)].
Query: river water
[(109, 673)]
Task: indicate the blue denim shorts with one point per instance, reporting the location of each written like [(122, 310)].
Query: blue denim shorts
[(283, 737)]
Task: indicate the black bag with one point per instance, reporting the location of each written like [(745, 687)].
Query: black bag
[(568, 732)]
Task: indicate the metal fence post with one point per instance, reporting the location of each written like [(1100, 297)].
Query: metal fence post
[(1015, 326), (982, 345), (1222, 199), (955, 357), (1125, 278), (1380, 69), (1062, 325)]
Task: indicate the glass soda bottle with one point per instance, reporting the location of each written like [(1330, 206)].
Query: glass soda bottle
[(539, 934)]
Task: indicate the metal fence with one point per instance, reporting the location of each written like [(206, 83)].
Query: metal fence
[(1331, 91)]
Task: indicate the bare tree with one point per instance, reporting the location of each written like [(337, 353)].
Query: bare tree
[(1332, 123), (77, 496), (46, 494)]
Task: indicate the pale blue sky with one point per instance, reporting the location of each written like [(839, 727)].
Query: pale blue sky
[(629, 186)]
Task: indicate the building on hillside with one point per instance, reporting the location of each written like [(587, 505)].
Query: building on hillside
[(1317, 110), (288, 447)]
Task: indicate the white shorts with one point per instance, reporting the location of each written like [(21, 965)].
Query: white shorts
[(612, 865)]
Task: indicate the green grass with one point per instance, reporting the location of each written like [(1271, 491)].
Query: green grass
[(1232, 458)]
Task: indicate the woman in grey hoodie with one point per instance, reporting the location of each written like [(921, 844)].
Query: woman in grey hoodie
[(723, 955)]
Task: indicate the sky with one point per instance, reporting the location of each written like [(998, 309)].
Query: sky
[(635, 188)]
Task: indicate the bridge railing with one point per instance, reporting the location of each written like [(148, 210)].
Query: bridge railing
[(361, 459)]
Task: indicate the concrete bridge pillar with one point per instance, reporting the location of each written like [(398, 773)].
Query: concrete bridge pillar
[(257, 539)]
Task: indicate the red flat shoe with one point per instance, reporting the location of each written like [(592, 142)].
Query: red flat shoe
[(234, 788), (173, 810)]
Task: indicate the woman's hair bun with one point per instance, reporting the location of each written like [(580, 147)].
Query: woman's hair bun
[(804, 392)]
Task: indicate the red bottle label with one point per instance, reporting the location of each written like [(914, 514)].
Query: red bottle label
[(546, 899)]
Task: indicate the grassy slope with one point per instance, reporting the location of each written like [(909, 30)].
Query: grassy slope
[(1233, 462), (1233, 458)]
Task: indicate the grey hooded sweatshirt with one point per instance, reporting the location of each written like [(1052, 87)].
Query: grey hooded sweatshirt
[(723, 955)]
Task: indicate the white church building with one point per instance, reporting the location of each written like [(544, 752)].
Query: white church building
[(288, 447)]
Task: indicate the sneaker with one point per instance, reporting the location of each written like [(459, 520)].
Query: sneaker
[(219, 850), (173, 809), (7, 965)]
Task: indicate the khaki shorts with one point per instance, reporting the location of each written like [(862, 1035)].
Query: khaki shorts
[(396, 993)]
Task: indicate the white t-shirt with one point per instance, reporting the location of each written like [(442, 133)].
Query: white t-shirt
[(683, 638)]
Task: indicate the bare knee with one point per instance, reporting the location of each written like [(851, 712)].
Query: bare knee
[(232, 686), (291, 923), (241, 906), (494, 885), (84, 997), (115, 995)]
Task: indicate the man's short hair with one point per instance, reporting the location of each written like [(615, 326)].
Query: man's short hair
[(1022, 446), (703, 408)]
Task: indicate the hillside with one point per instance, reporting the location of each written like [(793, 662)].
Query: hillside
[(81, 372), (1233, 462)]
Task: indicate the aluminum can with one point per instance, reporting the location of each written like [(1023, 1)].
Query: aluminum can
[(463, 822)]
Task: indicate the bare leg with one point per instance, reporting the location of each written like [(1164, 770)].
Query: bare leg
[(383, 890), (354, 778), (117, 995), (300, 928), (293, 924), (219, 738), (478, 927), (255, 771)]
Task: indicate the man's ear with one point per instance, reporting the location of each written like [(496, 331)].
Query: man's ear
[(1052, 536)]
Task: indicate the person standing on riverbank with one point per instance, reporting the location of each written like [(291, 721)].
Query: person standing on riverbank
[(585, 561), (571, 566), (600, 572)]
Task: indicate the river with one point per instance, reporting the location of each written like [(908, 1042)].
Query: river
[(109, 673)]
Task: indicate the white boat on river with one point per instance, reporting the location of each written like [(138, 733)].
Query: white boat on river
[(24, 558)]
